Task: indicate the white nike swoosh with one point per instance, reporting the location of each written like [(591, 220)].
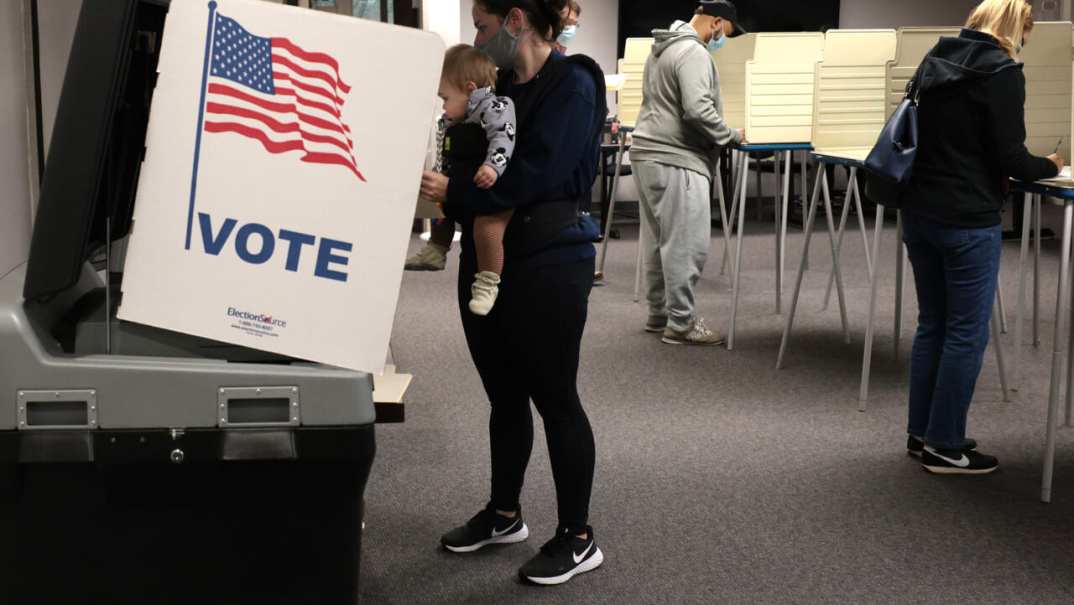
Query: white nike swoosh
[(578, 558), (497, 534), (962, 462)]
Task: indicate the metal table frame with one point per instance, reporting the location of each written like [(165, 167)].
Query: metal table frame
[(1061, 347), (783, 152), (874, 287), (853, 195)]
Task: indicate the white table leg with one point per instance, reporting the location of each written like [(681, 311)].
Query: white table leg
[(998, 345), (839, 243), (840, 292), (1036, 270), (861, 219), (776, 207), (736, 169), (1020, 309), (737, 269), (611, 210), (1002, 306), (870, 332), (1058, 356), (808, 225), (723, 213), (760, 189), (787, 169)]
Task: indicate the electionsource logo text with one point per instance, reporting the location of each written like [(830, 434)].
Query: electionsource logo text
[(257, 317)]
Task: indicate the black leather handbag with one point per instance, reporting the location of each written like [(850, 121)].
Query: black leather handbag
[(891, 162)]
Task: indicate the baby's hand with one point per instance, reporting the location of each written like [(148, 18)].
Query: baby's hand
[(486, 177)]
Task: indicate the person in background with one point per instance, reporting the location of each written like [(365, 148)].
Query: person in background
[(971, 142), (528, 348), (678, 138), (571, 13)]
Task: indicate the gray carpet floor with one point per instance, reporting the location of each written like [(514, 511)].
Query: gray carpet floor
[(719, 478)]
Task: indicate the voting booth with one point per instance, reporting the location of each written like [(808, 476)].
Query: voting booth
[(913, 43), (850, 109), (633, 67), (1048, 57), (848, 115), (779, 87), (731, 63), (140, 464)]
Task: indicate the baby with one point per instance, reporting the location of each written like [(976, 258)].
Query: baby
[(466, 86)]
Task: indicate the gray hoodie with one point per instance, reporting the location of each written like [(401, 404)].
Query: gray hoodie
[(681, 121)]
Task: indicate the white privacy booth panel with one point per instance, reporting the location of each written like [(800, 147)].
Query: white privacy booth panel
[(1048, 57), (850, 95), (912, 46), (731, 63), (779, 87), (632, 66)]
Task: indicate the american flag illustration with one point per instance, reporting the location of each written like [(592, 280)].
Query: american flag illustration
[(274, 91)]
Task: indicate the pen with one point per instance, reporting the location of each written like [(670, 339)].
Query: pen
[(1057, 146)]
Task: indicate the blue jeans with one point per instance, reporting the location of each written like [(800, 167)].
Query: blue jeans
[(955, 271)]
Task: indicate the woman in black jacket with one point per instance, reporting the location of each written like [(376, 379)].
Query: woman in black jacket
[(972, 142), (528, 347)]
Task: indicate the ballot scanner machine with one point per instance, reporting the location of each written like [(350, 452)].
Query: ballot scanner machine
[(139, 465)]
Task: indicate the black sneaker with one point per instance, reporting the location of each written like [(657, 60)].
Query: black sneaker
[(562, 558), (914, 445), (957, 462), (486, 527)]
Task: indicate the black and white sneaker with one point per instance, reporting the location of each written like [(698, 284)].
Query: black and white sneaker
[(957, 462), (562, 558), (915, 445), (486, 527)]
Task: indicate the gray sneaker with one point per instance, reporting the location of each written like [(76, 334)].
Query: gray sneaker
[(431, 257), (698, 335)]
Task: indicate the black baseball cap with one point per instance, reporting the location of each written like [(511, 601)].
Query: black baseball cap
[(723, 9)]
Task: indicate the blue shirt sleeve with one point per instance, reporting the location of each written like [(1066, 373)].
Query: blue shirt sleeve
[(548, 152)]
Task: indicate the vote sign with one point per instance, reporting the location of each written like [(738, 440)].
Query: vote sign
[(282, 161)]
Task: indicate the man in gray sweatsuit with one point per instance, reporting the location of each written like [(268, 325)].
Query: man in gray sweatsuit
[(679, 135)]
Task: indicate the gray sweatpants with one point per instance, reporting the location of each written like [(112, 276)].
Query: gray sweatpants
[(675, 234)]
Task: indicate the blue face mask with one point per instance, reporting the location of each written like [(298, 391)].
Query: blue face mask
[(568, 34), (716, 44)]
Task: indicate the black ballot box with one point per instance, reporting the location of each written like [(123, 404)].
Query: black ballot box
[(136, 526), (139, 465)]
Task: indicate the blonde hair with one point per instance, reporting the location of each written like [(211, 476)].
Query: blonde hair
[(464, 63), (1005, 20)]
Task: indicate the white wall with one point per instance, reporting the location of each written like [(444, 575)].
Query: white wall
[(598, 34), (15, 171), (442, 17), (855, 14)]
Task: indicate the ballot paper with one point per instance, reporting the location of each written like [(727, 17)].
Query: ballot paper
[(283, 158)]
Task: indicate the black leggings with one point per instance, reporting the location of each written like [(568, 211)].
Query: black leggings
[(528, 348)]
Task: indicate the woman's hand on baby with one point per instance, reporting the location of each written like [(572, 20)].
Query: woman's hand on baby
[(485, 177), (434, 187)]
